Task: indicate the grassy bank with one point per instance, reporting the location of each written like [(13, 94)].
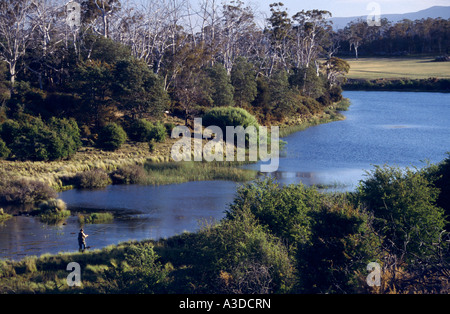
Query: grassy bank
[(60, 175), (331, 114)]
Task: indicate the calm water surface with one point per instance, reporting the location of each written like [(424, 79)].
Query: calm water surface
[(395, 128)]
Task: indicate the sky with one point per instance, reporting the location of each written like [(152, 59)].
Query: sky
[(350, 8)]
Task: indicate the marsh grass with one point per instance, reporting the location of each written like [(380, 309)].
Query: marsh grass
[(172, 172), (4, 216), (53, 211), (95, 218)]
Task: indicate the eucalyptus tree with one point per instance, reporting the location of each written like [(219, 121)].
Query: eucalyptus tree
[(15, 32)]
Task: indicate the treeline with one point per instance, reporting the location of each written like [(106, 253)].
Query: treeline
[(279, 239), (430, 85), (406, 37), (118, 62)]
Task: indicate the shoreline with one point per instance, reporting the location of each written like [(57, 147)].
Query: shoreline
[(59, 174), (431, 85)]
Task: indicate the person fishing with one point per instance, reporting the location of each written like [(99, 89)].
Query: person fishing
[(82, 240)]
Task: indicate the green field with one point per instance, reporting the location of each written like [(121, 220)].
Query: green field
[(395, 68)]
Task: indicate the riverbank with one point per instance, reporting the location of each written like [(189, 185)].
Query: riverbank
[(60, 175)]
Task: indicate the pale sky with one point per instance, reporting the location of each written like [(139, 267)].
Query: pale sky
[(345, 8)]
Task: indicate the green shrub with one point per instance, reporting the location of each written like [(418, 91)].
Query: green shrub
[(342, 245), (232, 117), (4, 150), (33, 139), (403, 202), (158, 133), (169, 127), (141, 272), (52, 211), (284, 209), (238, 256), (221, 89), (111, 137), (140, 130), (92, 179)]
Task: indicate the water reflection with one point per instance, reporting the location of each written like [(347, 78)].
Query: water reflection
[(141, 212)]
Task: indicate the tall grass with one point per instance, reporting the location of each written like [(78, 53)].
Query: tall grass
[(172, 173), (95, 218)]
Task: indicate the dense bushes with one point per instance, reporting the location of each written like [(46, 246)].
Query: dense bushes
[(33, 139), (141, 272), (392, 218), (236, 256), (21, 191), (145, 131), (111, 137), (403, 203)]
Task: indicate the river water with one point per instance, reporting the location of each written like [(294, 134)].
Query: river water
[(396, 128)]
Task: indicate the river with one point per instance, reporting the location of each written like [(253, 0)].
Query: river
[(396, 128)]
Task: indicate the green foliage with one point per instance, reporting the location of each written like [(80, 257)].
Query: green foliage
[(232, 117), (93, 81), (239, 256), (33, 139), (229, 116), (52, 211), (285, 210), (403, 203), (158, 133), (4, 150), (108, 50), (221, 90), (243, 78), (111, 137), (439, 175), (140, 130), (307, 81), (341, 246), (140, 272), (138, 89), (95, 218)]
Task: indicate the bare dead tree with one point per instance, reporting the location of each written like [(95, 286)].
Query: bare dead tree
[(15, 32)]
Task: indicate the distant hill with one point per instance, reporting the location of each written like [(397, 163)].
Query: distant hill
[(433, 12)]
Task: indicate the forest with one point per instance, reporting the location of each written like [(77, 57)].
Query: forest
[(115, 64), (426, 36), (78, 68)]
